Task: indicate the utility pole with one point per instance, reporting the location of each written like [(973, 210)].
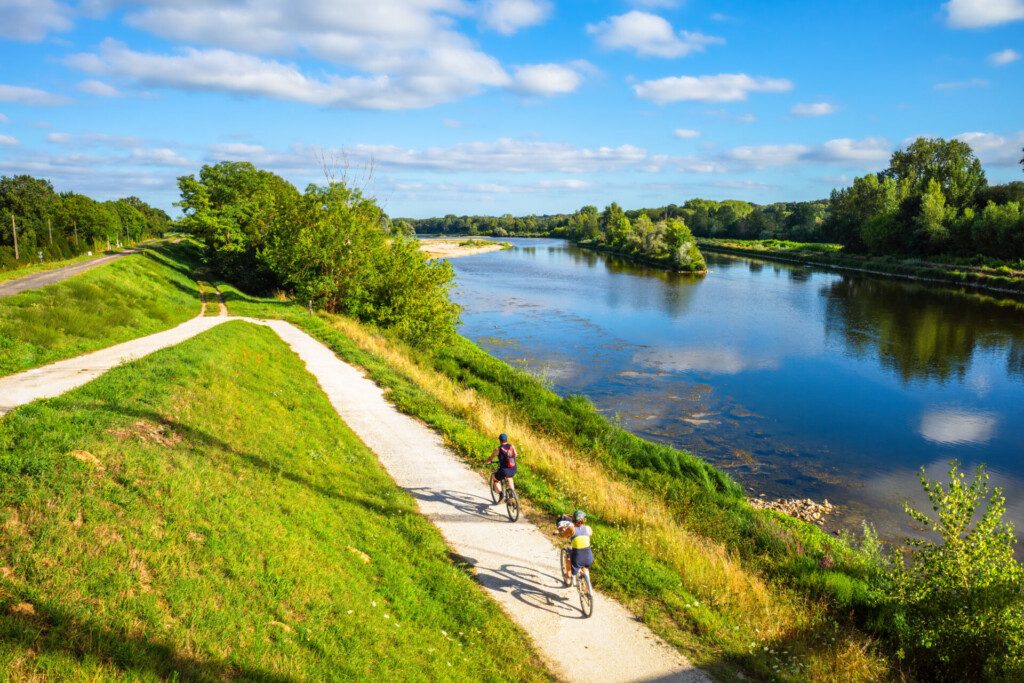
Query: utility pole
[(49, 228), (14, 229), (75, 223)]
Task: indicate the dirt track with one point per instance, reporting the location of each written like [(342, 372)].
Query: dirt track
[(515, 563), (48, 277)]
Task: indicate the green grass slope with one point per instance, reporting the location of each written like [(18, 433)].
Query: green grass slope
[(129, 298), (203, 513)]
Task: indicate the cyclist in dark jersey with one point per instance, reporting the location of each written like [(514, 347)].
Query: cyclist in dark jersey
[(507, 459)]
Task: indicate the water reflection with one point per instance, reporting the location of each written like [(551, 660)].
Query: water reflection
[(800, 382), (952, 426), (918, 331)]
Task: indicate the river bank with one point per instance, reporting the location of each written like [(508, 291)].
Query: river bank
[(1001, 279), (454, 248)]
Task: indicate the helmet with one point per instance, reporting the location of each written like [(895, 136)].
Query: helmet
[(579, 516), (503, 437)]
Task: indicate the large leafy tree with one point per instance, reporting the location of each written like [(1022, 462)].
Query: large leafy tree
[(951, 163)]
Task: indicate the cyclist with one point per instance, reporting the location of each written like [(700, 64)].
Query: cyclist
[(580, 554), (506, 455)]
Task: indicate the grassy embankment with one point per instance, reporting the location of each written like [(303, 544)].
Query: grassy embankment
[(739, 590), (131, 297), (203, 514), (981, 272)]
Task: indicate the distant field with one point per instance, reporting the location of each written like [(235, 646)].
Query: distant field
[(129, 298), (203, 514)]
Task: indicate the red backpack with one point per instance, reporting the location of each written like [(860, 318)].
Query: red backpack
[(507, 456)]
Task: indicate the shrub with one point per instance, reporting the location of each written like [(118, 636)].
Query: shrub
[(956, 605)]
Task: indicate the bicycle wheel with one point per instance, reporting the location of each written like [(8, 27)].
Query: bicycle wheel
[(495, 487), (586, 593), (563, 560), (512, 503)]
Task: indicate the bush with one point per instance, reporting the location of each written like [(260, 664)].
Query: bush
[(955, 606)]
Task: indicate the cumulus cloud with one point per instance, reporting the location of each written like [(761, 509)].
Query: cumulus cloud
[(8, 140), (649, 35), (982, 13), (686, 133), (813, 109), (720, 88), (1003, 57), (59, 138), (846, 149), (98, 88), (508, 16), (994, 149), (31, 20), (34, 96), (547, 79), (229, 71)]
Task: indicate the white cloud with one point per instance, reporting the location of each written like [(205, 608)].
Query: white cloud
[(981, 13), (961, 85), (686, 133), (547, 79), (98, 88), (649, 35), (31, 20), (23, 95), (4, 119), (813, 109), (452, 123), (957, 426), (720, 88), (840, 150), (234, 72), (236, 150), (59, 138), (508, 16), (8, 140), (717, 361), (994, 149), (657, 4), (1003, 57)]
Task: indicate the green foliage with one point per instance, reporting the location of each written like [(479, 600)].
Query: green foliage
[(332, 247), (950, 163), (957, 611)]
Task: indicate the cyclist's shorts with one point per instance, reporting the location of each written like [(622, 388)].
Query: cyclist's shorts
[(504, 472), (581, 557)]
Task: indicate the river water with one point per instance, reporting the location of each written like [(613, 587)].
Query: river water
[(799, 382)]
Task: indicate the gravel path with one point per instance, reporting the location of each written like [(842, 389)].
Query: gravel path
[(48, 277), (517, 564)]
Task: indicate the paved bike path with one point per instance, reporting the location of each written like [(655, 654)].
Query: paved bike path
[(49, 277), (517, 564)]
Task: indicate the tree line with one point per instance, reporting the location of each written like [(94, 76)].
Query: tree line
[(64, 224), (331, 247), (932, 199)]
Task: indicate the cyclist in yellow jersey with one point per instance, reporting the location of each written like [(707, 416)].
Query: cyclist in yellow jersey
[(580, 553)]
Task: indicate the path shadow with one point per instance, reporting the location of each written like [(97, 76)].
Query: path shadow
[(538, 590), (465, 503), (52, 630)]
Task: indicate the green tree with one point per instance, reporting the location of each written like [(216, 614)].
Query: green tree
[(930, 223), (951, 163)]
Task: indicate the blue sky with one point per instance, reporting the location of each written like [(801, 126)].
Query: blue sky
[(519, 106)]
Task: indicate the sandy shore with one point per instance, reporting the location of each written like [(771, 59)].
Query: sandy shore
[(452, 248)]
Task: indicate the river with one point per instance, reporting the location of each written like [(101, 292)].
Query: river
[(799, 382)]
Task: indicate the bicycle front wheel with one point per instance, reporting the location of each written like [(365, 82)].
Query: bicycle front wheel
[(586, 593), (512, 504)]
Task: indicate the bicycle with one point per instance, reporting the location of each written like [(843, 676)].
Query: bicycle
[(583, 585), (506, 491)]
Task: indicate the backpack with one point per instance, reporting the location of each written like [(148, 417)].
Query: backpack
[(507, 455)]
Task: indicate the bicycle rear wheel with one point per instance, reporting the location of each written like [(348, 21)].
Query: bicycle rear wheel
[(565, 562), (512, 503), (495, 487), (586, 593)]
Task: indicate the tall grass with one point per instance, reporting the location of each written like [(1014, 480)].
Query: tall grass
[(203, 514), (131, 297), (736, 589)]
